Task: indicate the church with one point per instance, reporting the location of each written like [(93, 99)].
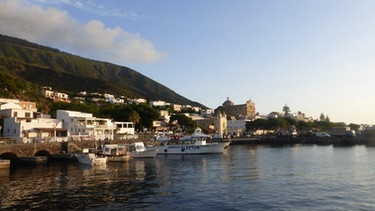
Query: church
[(244, 111)]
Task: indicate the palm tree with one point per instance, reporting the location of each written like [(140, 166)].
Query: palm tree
[(134, 117)]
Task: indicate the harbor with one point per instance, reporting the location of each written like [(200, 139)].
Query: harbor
[(258, 177)]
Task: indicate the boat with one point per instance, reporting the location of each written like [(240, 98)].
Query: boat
[(197, 143), (116, 152), (139, 150), (90, 158), (123, 152)]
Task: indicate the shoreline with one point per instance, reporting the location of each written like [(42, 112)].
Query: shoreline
[(273, 140)]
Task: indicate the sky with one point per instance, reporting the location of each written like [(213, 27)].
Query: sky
[(315, 56)]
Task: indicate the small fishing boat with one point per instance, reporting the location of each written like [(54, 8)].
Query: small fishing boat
[(116, 153), (123, 152), (90, 158), (139, 150)]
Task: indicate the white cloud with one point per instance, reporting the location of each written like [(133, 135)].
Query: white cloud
[(55, 28)]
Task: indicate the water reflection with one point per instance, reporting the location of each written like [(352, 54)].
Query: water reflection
[(248, 170), (4, 175), (244, 177), (75, 186)]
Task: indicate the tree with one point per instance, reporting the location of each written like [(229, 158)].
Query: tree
[(322, 117), (86, 107), (277, 124), (257, 124), (142, 115), (134, 117), (286, 110), (302, 125), (183, 121), (147, 115), (290, 121), (323, 125)]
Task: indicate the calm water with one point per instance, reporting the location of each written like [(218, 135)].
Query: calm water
[(244, 178)]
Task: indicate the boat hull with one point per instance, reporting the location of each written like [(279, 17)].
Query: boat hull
[(120, 158), (150, 153), (91, 159)]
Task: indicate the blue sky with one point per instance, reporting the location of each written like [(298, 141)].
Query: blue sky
[(316, 56)]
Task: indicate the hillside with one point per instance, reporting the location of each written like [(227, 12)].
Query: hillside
[(33, 66)]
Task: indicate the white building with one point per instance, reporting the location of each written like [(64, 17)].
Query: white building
[(125, 130), (177, 107), (158, 103), (83, 126), (139, 100), (23, 123), (47, 92), (236, 127), (16, 108), (30, 130)]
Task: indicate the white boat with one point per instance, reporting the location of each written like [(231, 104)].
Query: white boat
[(91, 158), (116, 153), (139, 150), (196, 143), (123, 152)]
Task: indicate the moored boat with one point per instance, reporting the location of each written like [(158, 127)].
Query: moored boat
[(90, 158), (197, 143), (116, 153), (139, 150), (123, 152)]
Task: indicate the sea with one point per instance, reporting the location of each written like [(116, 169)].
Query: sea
[(245, 177)]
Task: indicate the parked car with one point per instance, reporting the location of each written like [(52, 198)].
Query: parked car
[(322, 134)]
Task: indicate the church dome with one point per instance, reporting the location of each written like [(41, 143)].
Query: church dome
[(228, 103)]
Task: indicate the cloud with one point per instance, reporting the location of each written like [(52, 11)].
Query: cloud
[(55, 28)]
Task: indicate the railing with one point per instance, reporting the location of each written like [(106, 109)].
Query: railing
[(75, 138)]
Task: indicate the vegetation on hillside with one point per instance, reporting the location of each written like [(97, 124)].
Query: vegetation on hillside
[(39, 66)]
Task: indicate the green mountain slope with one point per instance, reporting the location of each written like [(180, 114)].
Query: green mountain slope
[(38, 65)]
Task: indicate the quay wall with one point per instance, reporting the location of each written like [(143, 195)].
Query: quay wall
[(13, 150)]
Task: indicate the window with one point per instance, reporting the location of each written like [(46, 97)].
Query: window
[(27, 115)]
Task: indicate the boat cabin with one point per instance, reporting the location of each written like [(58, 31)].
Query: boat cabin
[(187, 140), (114, 149)]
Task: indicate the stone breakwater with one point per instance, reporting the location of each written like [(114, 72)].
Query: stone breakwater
[(305, 140)]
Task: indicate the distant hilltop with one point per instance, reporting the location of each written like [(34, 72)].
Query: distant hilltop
[(26, 66)]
